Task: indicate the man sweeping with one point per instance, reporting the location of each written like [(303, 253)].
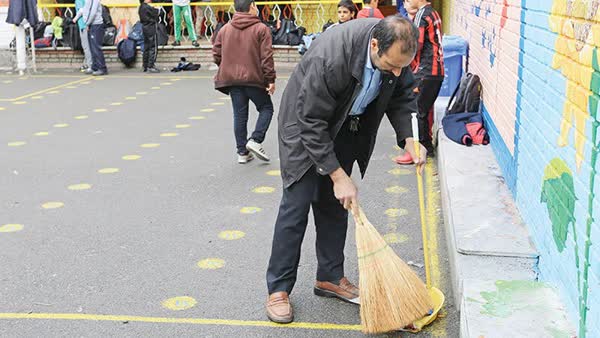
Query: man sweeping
[(330, 113)]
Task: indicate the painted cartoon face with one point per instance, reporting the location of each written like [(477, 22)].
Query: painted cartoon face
[(582, 9)]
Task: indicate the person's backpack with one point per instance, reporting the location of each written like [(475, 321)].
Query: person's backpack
[(110, 34), (467, 96), (71, 37), (127, 52), (288, 33), (39, 28), (162, 33), (108, 22), (137, 34)]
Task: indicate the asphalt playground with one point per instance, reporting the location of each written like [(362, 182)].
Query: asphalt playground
[(123, 212)]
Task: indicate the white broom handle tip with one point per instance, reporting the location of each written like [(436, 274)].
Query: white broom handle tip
[(415, 126)]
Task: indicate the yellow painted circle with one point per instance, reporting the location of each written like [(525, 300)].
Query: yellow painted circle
[(207, 110), (399, 171), (155, 88), (16, 143), (174, 80), (52, 205), (42, 133), (70, 87), (99, 79), (7, 81), (166, 84), (217, 104), (54, 92), (263, 190), (393, 212), (2, 108), (396, 190), (131, 157), (197, 117), (211, 263), (81, 117), (227, 98), (395, 238), (168, 134), (19, 102), (182, 126), (37, 97), (274, 172), (130, 98), (230, 235), (141, 93), (80, 186), (100, 110), (11, 227), (116, 104), (179, 303), (86, 82), (250, 210), (150, 145), (108, 170), (61, 125)]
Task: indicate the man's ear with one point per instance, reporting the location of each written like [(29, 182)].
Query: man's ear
[(374, 45)]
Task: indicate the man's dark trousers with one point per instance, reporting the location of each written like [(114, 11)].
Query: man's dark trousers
[(331, 221), (95, 37), (240, 97)]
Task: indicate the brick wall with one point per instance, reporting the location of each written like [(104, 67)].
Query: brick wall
[(168, 57), (539, 63)]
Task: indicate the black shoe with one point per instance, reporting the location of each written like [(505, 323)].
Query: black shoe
[(153, 70), (195, 43), (176, 43), (145, 69)]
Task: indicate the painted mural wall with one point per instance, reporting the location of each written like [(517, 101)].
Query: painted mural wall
[(540, 67)]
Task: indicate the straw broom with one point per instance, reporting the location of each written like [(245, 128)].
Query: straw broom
[(391, 294)]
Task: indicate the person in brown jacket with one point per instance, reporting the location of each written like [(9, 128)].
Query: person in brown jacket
[(242, 50)]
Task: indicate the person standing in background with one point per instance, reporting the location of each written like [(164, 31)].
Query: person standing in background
[(92, 16), (83, 34), (149, 19), (428, 69), (183, 7), (370, 10)]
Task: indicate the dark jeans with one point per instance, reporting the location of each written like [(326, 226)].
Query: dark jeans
[(150, 48), (95, 37), (240, 97), (331, 221)]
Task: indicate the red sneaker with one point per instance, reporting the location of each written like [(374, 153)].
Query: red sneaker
[(404, 159)]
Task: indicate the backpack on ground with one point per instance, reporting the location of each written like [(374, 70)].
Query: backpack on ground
[(467, 95), (127, 52), (288, 33), (71, 36), (39, 28)]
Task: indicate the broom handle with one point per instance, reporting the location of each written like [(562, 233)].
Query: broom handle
[(417, 145)]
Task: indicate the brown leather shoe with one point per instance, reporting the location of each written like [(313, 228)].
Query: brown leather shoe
[(279, 308), (346, 291)]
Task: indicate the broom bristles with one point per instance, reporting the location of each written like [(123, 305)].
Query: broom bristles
[(391, 294)]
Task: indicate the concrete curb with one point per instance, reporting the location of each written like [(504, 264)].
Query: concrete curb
[(489, 247)]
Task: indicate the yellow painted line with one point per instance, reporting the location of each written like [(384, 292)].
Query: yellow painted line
[(432, 216), (197, 321), (46, 90)]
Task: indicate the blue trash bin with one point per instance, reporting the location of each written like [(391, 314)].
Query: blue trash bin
[(455, 48)]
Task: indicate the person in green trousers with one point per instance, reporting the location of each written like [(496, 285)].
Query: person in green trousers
[(183, 7)]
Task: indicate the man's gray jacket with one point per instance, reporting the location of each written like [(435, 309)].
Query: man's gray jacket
[(320, 93)]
